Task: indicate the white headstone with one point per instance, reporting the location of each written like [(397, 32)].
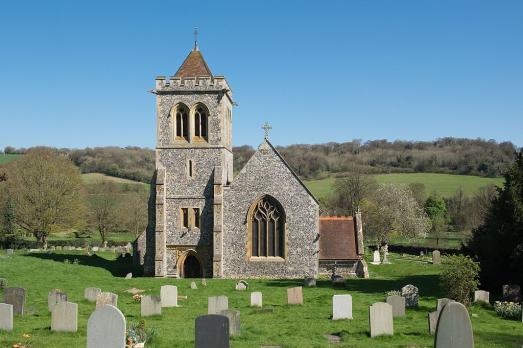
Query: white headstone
[(169, 296), (106, 298), (106, 328), (64, 317), (90, 294), (380, 319), (54, 297), (398, 305), (436, 257), (376, 260), (216, 304), (151, 305), (481, 296), (454, 329), (256, 299), (194, 286), (441, 303), (295, 296), (341, 307), (6, 317)]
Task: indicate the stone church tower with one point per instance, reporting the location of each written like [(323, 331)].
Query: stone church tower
[(193, 160)]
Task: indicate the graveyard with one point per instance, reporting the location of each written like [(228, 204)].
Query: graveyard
[(275, 323)]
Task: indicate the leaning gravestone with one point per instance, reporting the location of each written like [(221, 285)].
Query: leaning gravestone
[(151, 305), (106, 298), (106, 328), (234, 321), (54, 297), (411, 294), (64, 317), (436, 257), (511, 293), (256, 299), (441, 303), (433, 321), (211, 331), (90, 294), (295, 296), (15, 297), (216, 304), (129, 276), (3, 283), (398, 305), (376, 260), (481, 296), (341, 307), (380, 319), (6, 317), (169, 296), (454, 329)]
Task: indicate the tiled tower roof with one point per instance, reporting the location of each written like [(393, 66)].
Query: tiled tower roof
[(193, 66)]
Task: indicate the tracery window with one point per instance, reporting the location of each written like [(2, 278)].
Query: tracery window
[(200, 122), (267, 229), (182, 123)]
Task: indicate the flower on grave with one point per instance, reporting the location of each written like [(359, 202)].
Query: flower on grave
[(26, 335), (508, 310), (137, 298), (76, 261)]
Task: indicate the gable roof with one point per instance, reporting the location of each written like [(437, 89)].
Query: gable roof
[(194, 65)]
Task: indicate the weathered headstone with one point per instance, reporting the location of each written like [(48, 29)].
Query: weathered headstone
[(64, 317), (411, 294), (90, 294), (398, 305), (6, 317), (15, 297), (151, 305), (193, 286), (3, 283), (295, 296), (341, 307), (216, 304), (242, 285), (309, 282), (481, 296), (211, 331), (454, 329), (106, 328), (169, 296), (234, 321), (204, 282), (256, 299), (511, 293), (421, 253), (380, 319), (9, 251), (95, 248), (106, 298), (54, 297), (433, 321), (129, 275), (376, 259), (436, 257), (442, 302)]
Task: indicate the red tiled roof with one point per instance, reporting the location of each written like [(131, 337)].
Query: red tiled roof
[(337, 238), (194, 65)]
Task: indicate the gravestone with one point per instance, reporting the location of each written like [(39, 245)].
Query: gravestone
[(309, 282), (454, 329), (442, 302), (242, 285), (376, 260), (481, 296), (15, 297), (295, 296), (95, 248), (411, 294), (3, 283), (106, 328), (256, 299), (234, 321), (54, 297), (106, 298), (64, 317), (433, 321), (216, 304), (204, 282), (341, 307), (211, 331), (511, 293), (90, 294), (385, 250), (6, 317), (380, 319), (193, 286), (169, 296), (150, 305), (9, 251), (129, 276), (421, 253), (398, 305), (436, 257)]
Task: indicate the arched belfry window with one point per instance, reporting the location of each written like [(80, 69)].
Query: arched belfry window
[(267, 228), (181, 120), (200, 122)]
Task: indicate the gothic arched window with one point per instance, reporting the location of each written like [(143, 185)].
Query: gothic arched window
[(200, 122), (267, 229), (182, 123)]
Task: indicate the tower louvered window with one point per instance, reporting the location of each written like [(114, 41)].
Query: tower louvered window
[(182, 123), (200, 122), (268, 229)]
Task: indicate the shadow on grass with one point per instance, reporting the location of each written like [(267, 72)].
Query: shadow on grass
[(118, 267)]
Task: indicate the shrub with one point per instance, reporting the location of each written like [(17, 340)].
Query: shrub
[(508, 310), (138, 333), (459, 278)]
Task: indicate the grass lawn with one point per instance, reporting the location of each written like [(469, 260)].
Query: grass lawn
[(8, 157), (92, 178), (288, 326), (443, 184)]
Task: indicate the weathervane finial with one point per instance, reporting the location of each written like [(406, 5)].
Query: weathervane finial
[(196, 38), (266, 127)]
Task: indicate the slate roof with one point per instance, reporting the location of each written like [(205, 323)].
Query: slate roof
[(193, 66)]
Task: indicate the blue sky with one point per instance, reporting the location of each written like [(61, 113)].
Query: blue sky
[(77, 74)]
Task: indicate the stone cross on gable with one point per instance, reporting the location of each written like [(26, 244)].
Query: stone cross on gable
[(267, 127)]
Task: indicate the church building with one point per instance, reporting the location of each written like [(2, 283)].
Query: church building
[(203, 221)]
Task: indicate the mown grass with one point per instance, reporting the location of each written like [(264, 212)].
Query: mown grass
[(288, 326), (8, 157), (93, 178), (444, 185)]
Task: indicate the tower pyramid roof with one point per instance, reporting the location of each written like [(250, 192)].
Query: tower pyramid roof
[(194, 66)]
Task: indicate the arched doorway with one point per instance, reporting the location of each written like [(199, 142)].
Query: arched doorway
[(192, 267)]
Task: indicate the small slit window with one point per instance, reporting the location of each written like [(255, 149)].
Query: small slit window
[(190, 168), (196, 212), (185, 217)]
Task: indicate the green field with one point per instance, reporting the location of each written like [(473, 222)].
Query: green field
[(93, 178), (442, 184), (8, 157), (288, 326)]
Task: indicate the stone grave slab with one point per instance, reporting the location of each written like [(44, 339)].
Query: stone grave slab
[(481, 296), (380, 319), (204, 282), (6, 317), (376, 259), (433, 321), (15, 297), (242, 285), (90, 294), (511, 293), (454, 329), (151, 305), (211, 331), (169, 296), (398, 305), (216, 304), (64, 317), (295, 296), (194, 286), (54, 297), (106, 328), (234, 321), (256, 299), (436, 257), (106, 298), (442, 302), (411, 294), (341, 307)]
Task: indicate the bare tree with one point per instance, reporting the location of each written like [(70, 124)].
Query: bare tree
[(134, 212), (103, 210), (350, 191)]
